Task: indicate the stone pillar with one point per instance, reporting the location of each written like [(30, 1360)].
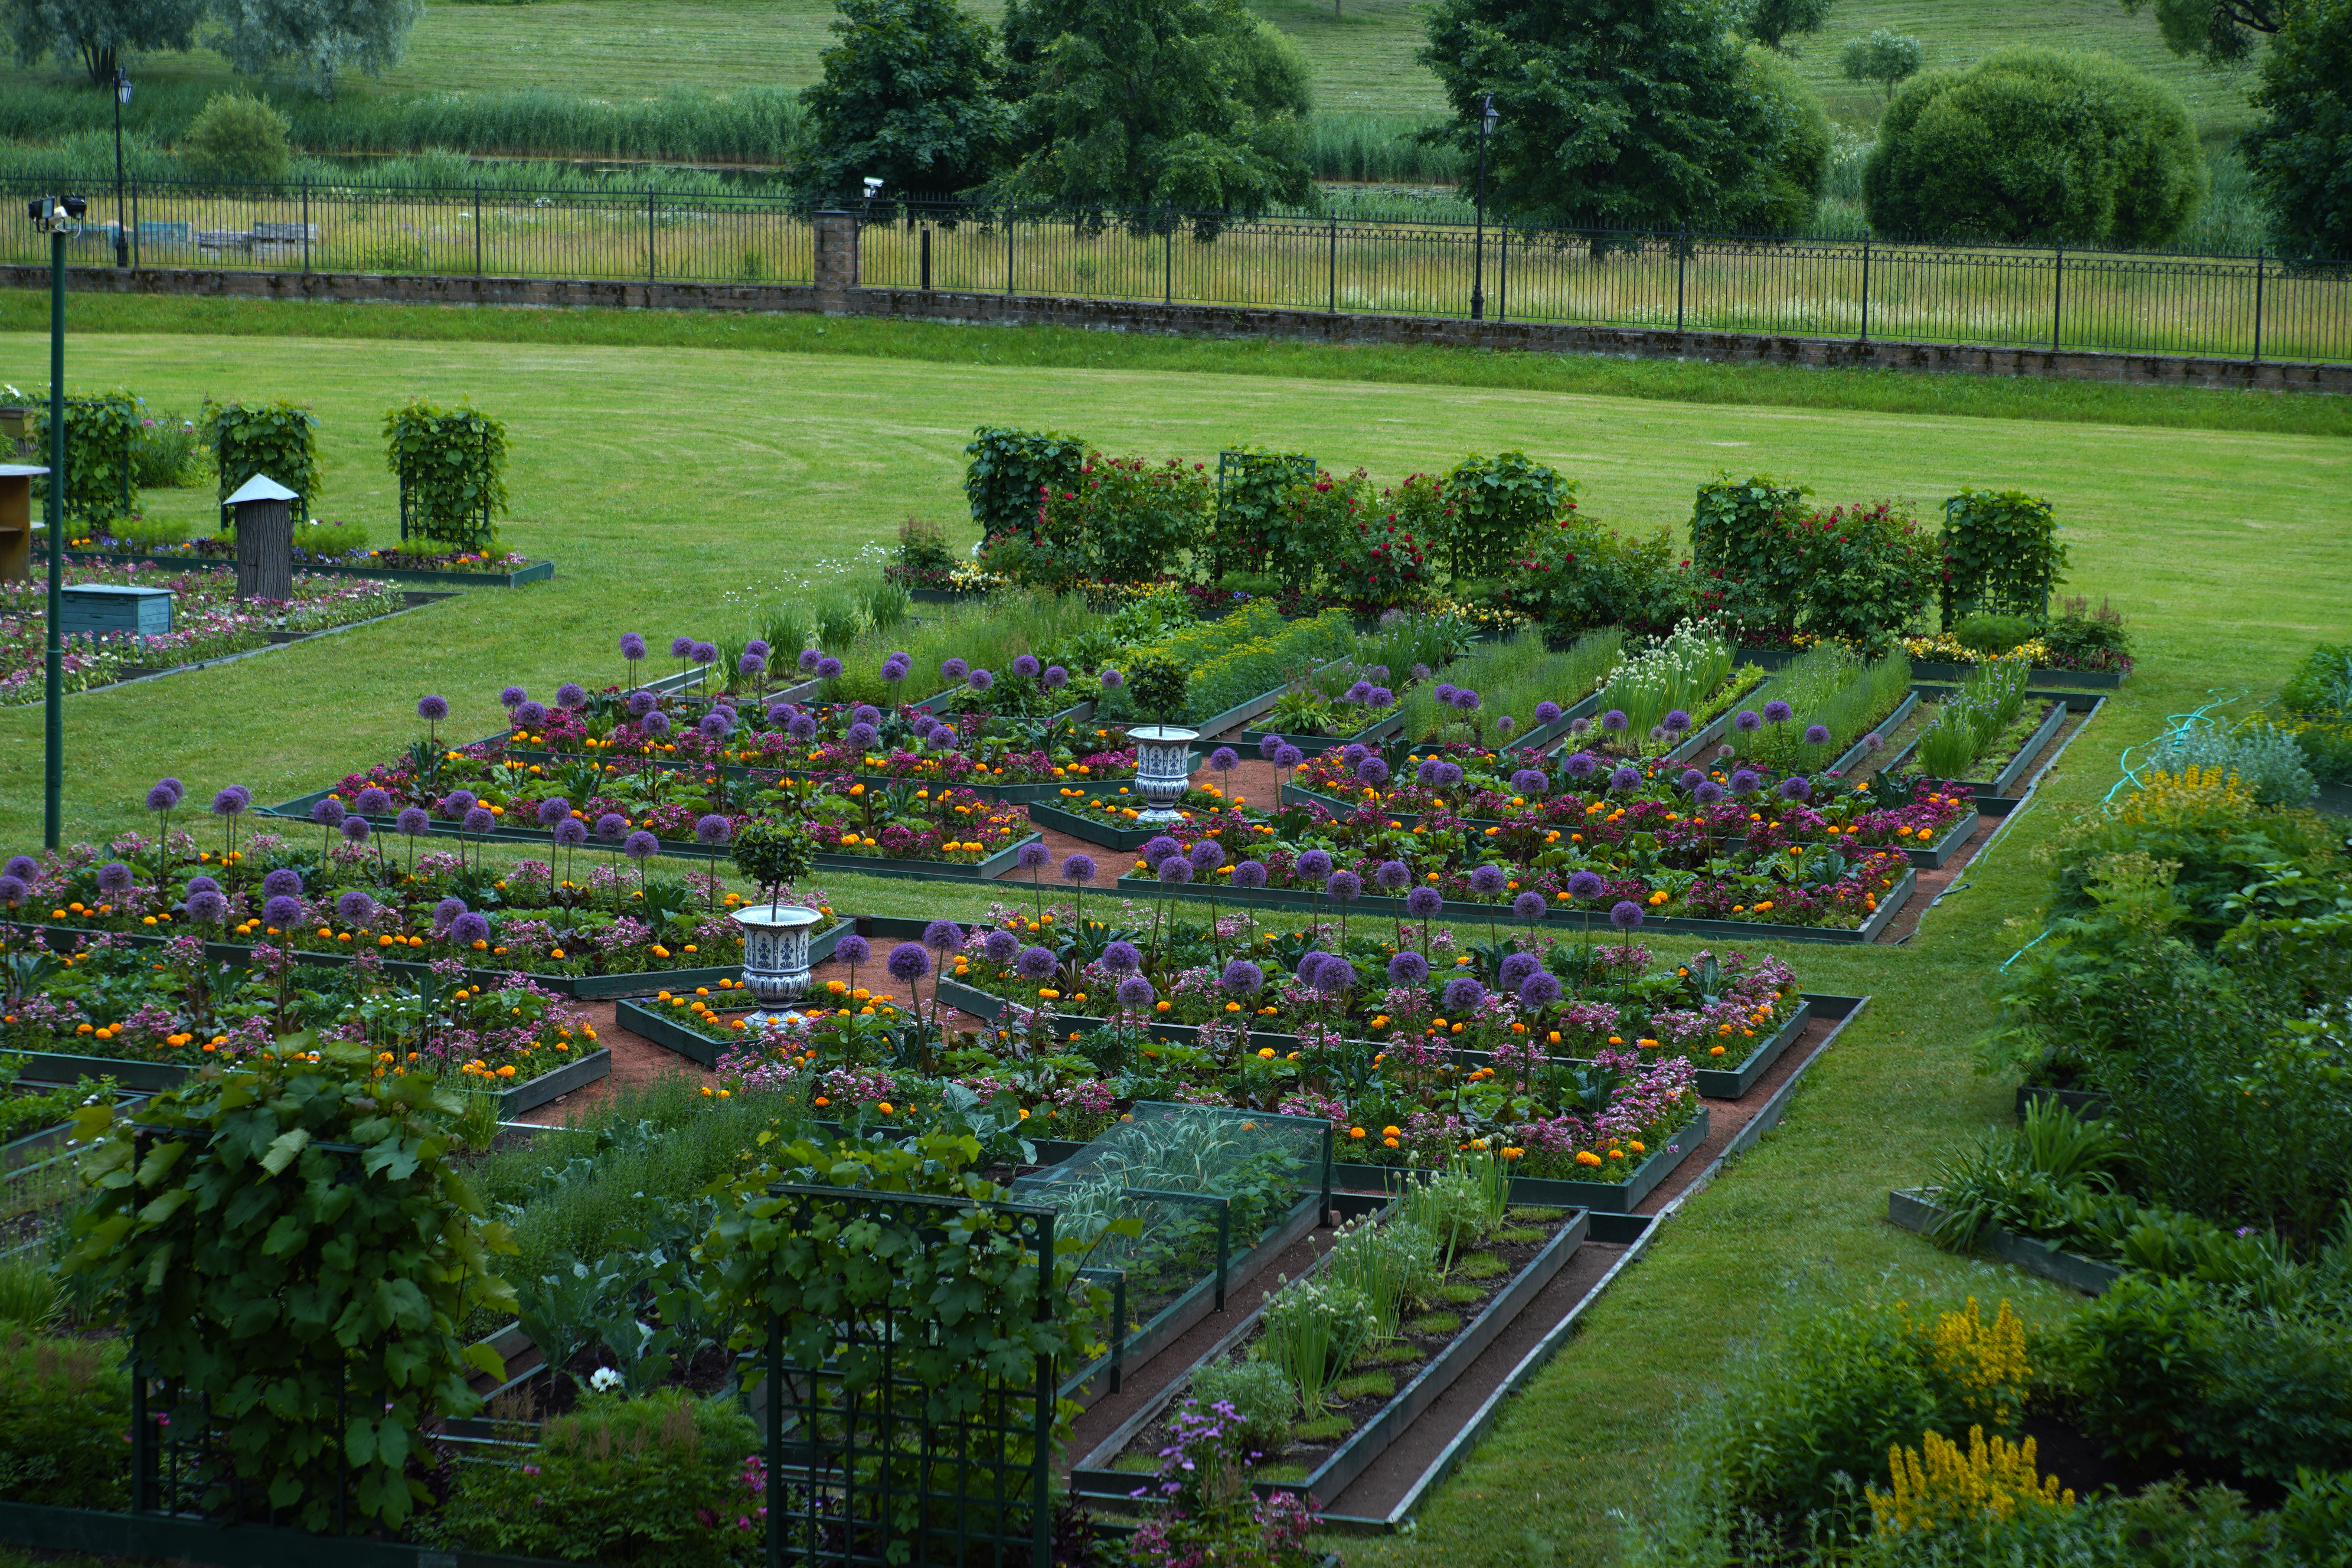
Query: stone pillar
[(836, 261)]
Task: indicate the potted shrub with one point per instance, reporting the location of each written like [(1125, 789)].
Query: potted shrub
[(774, 855), (1163, 752)]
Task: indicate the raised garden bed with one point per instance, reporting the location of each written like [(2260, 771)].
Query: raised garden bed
[(1916, 1209), (2086, 703), (1603, 1198), (2092, 680), (2004, 778), (1373, 734), (49, 1067), (533, 572)]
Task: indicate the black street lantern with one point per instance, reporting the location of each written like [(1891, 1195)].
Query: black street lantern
[(122, 234), (1487, 118), (59, 218)]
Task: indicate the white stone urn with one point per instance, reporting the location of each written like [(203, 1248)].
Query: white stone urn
[(776, 954), (1164, 767)]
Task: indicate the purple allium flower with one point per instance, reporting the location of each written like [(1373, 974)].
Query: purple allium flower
[(1580, 766), (704, 652), (1615, 720), (611, 827), (1207, 855), (896, 667), (355, 908), (1817, 735), (458, 802), (853, 950), (802, 726), (908, 962), (1777, 712), (1462, 995), (1310, 964), (633, 647), (1748, 719), (1288, 756), (204, 905), (328, 812), (1359, 693), (445, 911), (281, 913), (1335, 976), (13, 890), (433, 710), (552, 810), (1408, 968), (1249, 874), (1026, 667), (864, 737), (479, 820), (712, 830), (642, 703), (640, 846), (24, 867), (1224, 759), (1391, 875), (1794, 787), (571, 696), (1175, 870), (1345, 887), (953, 670), (1313, 864), (1626, 915), (1372, 771), (808, 659), (283, 883), (1707, 792), (1675, 722), (656, 724), (114, 879), (1527, 781), (198, 884), (1112, 680), (160, 798), (469, 928), (530, 715), (943, 936), (1488, 879), (1038, 964), (356, 829), (1267, 744), (828, 667), (865, 713), (750, 664), (1000, 947), (1625, 778), (1033, 855), (681, 647), (1690, 778), (373, 802), (1584, 884), (1504, 725), (1243, 978), (980, 680), (1122, 958), (1547, 713), (1517, 967), (1579, 726), (1529, 906), (1467, 701), (571, 833), (1449, 775), (1135, 992), (1871, 742), (1539, 990), (1381, 696), (1445, 693), (1156, 849), (760, 647), (1423, 902), (1078, 869), (232, 801), (1056, 678), (1745, 780)]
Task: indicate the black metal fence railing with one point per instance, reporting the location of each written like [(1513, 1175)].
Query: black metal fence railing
[(2230, 307)]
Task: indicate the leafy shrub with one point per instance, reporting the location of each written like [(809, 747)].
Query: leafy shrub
[(166, 453), (1250, 486), (1259, 1394), (924, 559), (102, 434), (2037, 146), (1494, 506), (2265, 758), (1381, 565), (1737, 528), (1867, 572), (1990, 634), (1578, 574), (2299, 154), (236, 139), (452, 466), (660, 1481), (1010, 471), (2318, 700), (64, 1408), (279, 439), (1314, 524), (1786, 190), (2085, 638), (1131, 519), (2001, 554)]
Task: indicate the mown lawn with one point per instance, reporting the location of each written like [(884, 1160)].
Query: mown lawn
[(679, 488)]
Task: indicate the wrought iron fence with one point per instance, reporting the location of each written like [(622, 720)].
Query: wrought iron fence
[(2232, 307)]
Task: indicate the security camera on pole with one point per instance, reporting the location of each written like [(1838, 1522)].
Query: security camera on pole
[(59, 218)]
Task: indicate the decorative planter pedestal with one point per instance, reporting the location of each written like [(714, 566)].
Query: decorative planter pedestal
[(776, 954), (1164, 767)]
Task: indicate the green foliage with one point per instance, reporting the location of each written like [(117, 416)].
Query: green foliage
[(1785, 192), (1260, 1396), (1132, 520), (1992, 633), (2318, 703), (773, 853), (1494, 506), (2266, 759), (167, 452), (658, 1482), (1614, 113), (99, 32), (1580, 573), (313, 39), (2299, 155), (1127, 105), (452, 466), (1250, 486), (907, 96), (2002, 552), (2222, 32), (1886, 56), (2086, 637), (1315, 523), (65, 1406), (1773, 23), (101, 454), (291, 1242), (2038, 147), (279, 439), (1157, 684), (1010, 471), (1381, 564), (1865, 573), (1737, 528), (238, 139), (1312, 1329)]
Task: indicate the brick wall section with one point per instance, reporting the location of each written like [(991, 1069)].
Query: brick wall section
[(836, 261), (839, 296)]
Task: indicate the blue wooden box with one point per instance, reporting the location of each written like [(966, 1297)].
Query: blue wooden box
[(106, 609)]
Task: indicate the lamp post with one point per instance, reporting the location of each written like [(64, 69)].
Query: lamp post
[(122, 236), (58, 217), (1487, 118)]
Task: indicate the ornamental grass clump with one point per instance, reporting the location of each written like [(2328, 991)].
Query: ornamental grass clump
[(1313, 1328), (1393, 1265)]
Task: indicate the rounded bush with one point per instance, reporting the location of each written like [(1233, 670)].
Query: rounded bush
[(2037, 146)]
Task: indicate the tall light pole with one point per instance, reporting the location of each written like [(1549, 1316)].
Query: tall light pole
[(1487, 118), (58, 217), (121, 236)]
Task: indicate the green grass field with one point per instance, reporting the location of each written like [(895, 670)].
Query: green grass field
[(1364, 52), (678, 487)]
